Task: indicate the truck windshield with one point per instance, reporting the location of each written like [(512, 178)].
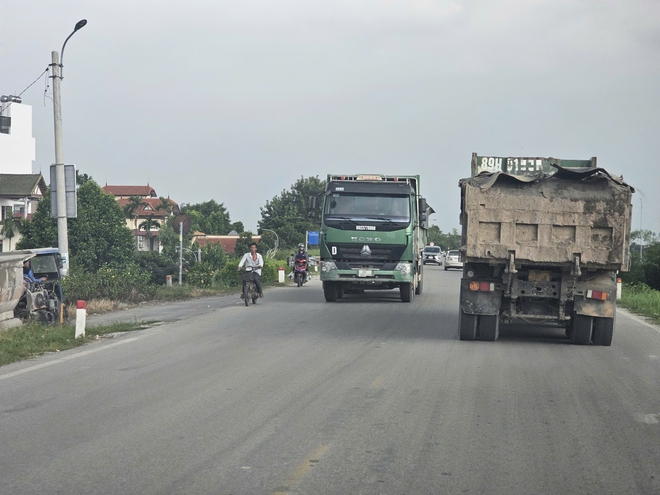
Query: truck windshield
[(368, 207), (44, 264)]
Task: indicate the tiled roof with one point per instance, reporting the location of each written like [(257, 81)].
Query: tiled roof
[(228, 242), (144, 191), (21, 185), (149, 208)]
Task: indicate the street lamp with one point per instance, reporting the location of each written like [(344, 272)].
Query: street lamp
[(277, 237), (62, 237)]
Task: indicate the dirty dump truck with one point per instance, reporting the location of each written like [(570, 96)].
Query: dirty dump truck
[(373, 232), (542, 240)]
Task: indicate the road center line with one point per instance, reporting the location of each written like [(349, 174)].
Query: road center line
[(66, 358), (302, 469)]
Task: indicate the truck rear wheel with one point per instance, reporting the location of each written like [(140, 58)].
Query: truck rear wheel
[(407, 292), (582, 325), (603, 331), (330, 291), (467, 326), (489, 327)]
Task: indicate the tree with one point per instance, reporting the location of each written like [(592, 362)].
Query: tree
[(238, 227), (209, 217), (165, 205), (10, 225), (98, 236), (82, 178), (243, 243), (131, 211), (445, 240), (148, 226), (288, 214)]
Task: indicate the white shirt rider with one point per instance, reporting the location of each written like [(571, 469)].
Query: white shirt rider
[(248, 260)]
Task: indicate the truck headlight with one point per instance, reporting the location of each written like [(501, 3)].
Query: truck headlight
[(326, 266), (404, 268)]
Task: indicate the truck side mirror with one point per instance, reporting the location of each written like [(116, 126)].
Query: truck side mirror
[(422, 217), (423, 206), (312, 202)]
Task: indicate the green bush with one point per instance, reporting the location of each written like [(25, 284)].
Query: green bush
[(157, 265), (128, 284), (203, 274)]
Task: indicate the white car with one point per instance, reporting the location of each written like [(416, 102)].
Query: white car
[(452, 260), (432, 254)]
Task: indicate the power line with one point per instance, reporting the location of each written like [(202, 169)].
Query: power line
[(29, 86)]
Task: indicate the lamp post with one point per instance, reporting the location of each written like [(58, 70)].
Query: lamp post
[(277, 237), (62, 237)]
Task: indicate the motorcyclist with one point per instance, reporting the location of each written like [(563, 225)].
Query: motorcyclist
[(254, 260), (300, 255)]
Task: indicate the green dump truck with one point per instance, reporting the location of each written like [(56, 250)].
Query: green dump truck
[(373, 232), (542, 240)]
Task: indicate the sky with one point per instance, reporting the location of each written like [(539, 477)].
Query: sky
[(234, 100)]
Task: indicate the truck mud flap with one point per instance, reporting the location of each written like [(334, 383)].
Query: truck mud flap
[(479, 302), (588, 307)]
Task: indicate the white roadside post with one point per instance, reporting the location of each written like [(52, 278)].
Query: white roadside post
[(618, 289), (280, 275), (81, 318)]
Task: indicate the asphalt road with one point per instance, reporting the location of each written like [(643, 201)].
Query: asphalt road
[(365, 396)]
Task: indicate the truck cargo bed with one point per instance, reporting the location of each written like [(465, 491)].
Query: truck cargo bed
[(548, 219)]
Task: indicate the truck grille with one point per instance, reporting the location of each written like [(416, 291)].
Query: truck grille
[(365, 254)]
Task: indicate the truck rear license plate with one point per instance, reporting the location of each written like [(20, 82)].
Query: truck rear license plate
[(364, 273)]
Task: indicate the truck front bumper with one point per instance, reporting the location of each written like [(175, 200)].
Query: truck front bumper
[(368, 277)]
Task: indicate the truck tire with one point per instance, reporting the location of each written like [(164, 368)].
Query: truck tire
[(330, 291), (603, 331), (467, 326), (420, 284), (407, 292), (489, 327), (340, 292), (582, 326)]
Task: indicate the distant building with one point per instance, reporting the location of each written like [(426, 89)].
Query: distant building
[(151, 207), (19, 195), (228, 242), (17, 146)]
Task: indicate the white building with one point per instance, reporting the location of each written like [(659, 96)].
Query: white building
[(20, 189), (17, 146)]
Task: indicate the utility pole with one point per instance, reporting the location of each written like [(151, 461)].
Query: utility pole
[(180, 251), (62, 235)]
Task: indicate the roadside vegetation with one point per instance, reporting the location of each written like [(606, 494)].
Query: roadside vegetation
[(33, 339), (641, 285), (108, 272)]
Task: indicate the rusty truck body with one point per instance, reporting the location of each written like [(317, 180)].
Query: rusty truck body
[(542, 241)]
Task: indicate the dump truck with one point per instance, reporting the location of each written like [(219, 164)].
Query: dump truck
[(542, 241), (373, 232)]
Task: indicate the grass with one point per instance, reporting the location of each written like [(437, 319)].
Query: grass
[(641, 299), (33, 339)]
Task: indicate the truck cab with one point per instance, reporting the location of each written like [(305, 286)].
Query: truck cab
[(373, 231)]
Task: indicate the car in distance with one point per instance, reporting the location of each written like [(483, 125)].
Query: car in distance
[(452, 260), (432, 254)]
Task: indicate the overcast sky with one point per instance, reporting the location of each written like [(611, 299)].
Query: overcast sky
[(234, 100)]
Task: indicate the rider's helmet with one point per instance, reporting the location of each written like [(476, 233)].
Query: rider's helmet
[(301, 247)]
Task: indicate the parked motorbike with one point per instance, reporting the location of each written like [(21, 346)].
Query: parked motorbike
[(249, 287), (300, 272)]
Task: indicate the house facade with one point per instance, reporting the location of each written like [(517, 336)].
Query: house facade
[(19, 195), (148, 217)]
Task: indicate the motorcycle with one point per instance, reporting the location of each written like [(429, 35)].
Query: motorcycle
[(249, 287), (300, 272)]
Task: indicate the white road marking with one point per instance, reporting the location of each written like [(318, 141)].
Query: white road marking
[(67, 358), (649, 419)]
